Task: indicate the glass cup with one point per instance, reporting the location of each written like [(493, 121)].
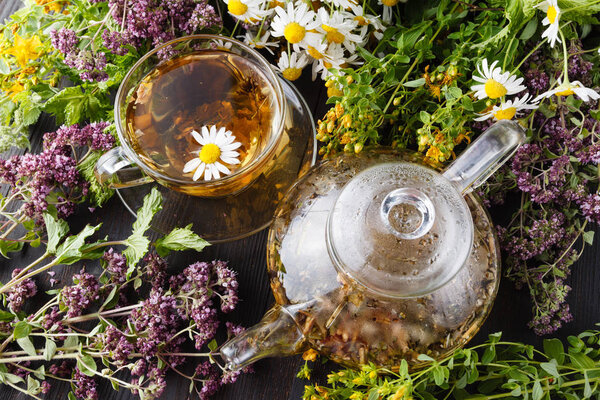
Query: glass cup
[(124, 167)]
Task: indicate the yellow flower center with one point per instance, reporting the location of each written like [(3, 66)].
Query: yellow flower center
[(551, 14), (210, 153), (507, 113), (566, 92), (327, 64), (294, 32), (494, 89), (291, 74), (333, 35), (314, 53), (361, 20), (389, 3), (236, 7)]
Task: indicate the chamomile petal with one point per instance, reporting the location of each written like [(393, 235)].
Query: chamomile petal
[(552, 10), (494, 83), (217, 145)]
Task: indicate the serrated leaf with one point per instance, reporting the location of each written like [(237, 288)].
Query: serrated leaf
[(180, 239), (70, 251), (56, 230), (27, 345), (13, 136), (73, 105), (22, 330), (137, 243), (9, 246)]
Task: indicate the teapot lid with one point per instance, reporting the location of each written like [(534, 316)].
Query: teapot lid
[(400, 229)]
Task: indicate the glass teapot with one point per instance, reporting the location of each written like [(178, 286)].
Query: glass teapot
[(379, 257)]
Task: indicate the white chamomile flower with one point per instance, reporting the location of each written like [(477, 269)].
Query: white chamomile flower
[(388, 8), (220, 44), (364, 20), (569, 88), (261, 42), (291, 65), (343, 4), (296, 25), (248, 11), (333, 57), (495, 84), (550, 7), (338, 28), (217, 145), (508, 109)]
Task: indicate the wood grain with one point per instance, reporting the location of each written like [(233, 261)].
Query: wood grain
[(274, 379)]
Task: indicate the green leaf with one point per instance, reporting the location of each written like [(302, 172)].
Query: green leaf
[(550, 367), (587, 389), (137, 243), (49, 349), (98, 193), (56, 229), (529, 30), (582, 361), (415, 83), (424, 357), (70, 251), (13, 136), (22, 330), (424, 117), (212, 345), (12, 378), (554, 349), (111, 299), (9, 246), (588, 237), (537, 393), (71, 342), (73, 105), (33, 385), (180, 239), (488, 355), (71, 396), (87, 365), (26, 344), (6, 316)]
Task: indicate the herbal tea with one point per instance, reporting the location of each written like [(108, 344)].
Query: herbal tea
[(203, 89)]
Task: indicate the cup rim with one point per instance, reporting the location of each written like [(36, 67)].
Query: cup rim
[(277, 131)]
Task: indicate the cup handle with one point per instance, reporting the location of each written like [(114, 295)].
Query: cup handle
[(485, 155), (110, 169)]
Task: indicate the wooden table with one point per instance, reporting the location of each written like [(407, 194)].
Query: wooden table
[(274, 379)]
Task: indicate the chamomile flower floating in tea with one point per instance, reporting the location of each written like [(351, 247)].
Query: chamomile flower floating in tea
[(217, 145), (508, 109), (550, 7), (259, 42), (569, 88), (494, 83)]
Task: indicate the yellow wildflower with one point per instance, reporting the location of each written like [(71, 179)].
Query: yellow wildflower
[(310, 355), (52, 5), (25, 49), (17, 87)]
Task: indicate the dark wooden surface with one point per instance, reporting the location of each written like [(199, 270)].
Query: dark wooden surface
[(274, 379)]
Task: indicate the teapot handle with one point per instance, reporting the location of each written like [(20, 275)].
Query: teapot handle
[(485, 155)]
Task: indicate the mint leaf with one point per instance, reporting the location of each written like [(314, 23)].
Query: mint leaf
[(9, 246), (11, 136), (57, 229), (70, 251), (180, 239), (97, 193), (6, 316), (73, 105), (137, 243)]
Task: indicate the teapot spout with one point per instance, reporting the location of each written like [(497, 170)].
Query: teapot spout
[(277, 334)]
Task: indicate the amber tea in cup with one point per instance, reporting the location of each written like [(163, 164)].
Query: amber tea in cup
[(205, 105)]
